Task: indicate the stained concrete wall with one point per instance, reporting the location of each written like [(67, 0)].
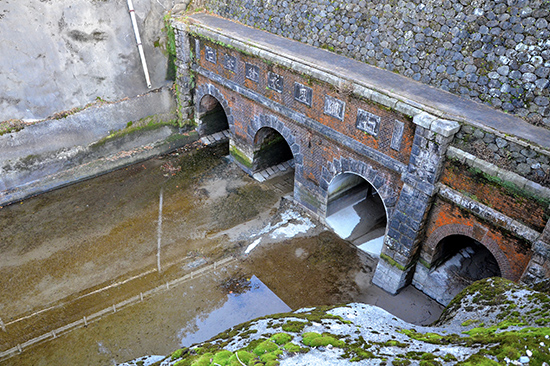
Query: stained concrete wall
[(58, 55), (70, 75)]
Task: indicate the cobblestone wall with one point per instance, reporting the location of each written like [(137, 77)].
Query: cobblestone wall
[(518, 158), (493, 51)]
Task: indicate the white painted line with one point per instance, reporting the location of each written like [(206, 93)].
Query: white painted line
[(159, 231)]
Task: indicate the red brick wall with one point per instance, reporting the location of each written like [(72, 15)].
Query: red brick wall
[(316, 149), (316, 111), (512, 253), (528, 211)]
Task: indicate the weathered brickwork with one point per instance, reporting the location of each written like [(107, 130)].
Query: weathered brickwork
[(386, 119), (430, 188), (317, 160), (512, 253), (519, 158), (493, 51), (514, 202)]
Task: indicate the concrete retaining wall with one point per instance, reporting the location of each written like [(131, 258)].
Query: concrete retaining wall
[(57, 152)]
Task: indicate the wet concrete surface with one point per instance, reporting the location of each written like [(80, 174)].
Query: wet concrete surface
[(72, 252)]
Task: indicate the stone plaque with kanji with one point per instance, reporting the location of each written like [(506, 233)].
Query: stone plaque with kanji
[(230, 63), (334, 107), (275, 82), (368, 122), (252, 72), (303, 94), (210, 54)]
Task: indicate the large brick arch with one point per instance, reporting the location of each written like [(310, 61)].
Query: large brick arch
[(209, 89), (364, 170), (475, 233), (268, 120)]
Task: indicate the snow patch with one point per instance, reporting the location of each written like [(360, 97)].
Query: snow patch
[(252, 246), (373, 246), (344, 221)]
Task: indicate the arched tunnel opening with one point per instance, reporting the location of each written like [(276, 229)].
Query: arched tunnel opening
[(479, 262), (356, 212), (458, 261), (270, 149), (211, 116)]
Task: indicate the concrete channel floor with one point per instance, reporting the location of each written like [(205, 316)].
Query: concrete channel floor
[(359, 219), (91, 249)]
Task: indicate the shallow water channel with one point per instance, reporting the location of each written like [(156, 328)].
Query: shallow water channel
[(166, 253)]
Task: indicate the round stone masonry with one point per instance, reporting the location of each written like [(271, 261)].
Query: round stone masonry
[(461, 49)]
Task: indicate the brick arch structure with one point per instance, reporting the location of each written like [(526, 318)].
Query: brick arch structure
[(209, 89), (268, 120), (480, 236), (372, 176)]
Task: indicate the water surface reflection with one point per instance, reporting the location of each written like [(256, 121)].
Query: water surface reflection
[(256, 300)]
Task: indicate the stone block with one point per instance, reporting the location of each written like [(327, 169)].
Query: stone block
[(389, 278), (383, 99), (445, 127), (407, 109), (486, 167), (424, 120)]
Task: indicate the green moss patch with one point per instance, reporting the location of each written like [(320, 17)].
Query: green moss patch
[(170, 49), (313, 339), (145, 124), (294, 326), (391, 261), (240, 157)]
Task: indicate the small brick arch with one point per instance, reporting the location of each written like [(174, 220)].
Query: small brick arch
[(475, 233), (365, 171), (267, 120), (209, 89)]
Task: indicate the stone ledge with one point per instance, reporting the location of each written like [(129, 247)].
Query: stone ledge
[(94, 168), (83, 127), (491, 169), (285, 60)]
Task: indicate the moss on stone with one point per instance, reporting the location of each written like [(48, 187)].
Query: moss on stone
[(489, 345), (294, 326), (240, 157), (170, 50), (11, 125), (178, 353), (281, 338), (148, 123), (294, 348), (313, 339), (391, 261), (469, 322), (509, 187)]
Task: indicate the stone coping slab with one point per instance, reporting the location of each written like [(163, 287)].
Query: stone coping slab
[(378, 83)]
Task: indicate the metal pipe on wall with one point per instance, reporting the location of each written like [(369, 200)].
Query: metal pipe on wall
[(138, 41)]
